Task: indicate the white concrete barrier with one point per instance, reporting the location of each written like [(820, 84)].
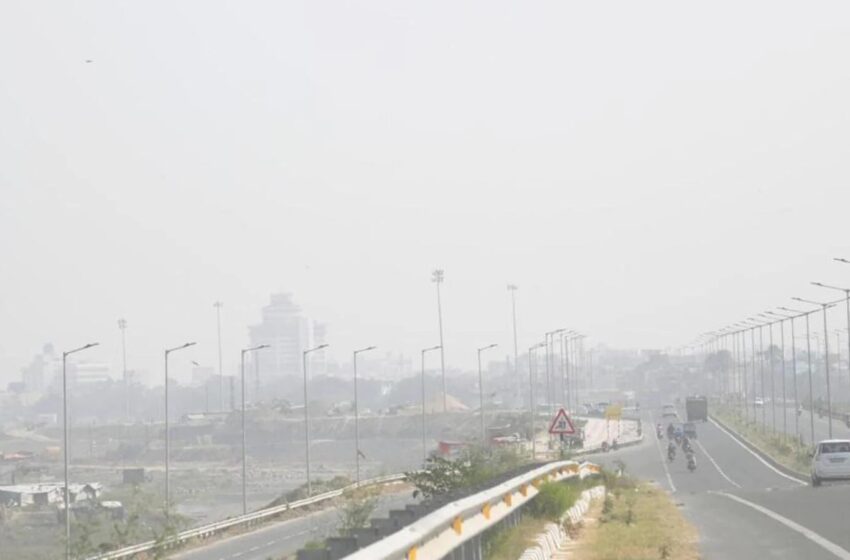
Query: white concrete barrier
[(554, 537), (442, 531)]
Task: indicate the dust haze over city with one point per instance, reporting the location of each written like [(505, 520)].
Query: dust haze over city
[(641, 187)]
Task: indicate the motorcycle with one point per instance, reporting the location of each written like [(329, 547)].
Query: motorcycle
[(660, 433), (692, 462), (671, 453)]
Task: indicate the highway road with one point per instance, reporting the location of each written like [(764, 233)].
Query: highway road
[(277, 540), (743, 508)]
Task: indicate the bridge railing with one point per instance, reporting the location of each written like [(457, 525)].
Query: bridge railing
[(439, 533), (241, 521)]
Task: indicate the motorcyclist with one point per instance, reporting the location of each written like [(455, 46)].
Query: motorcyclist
[(686, 444), (670, 430), (671, 451), (692, 460), (659, 431)]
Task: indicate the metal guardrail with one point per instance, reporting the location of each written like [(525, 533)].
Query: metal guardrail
[(447, 528), (206, 531)]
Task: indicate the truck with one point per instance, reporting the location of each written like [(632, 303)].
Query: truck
[(696, 408)]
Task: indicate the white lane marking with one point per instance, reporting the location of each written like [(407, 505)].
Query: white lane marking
[(716, 466), (270, 543), (808, 533), (237, 555), (254, 549), (754, 454), (663, 460)]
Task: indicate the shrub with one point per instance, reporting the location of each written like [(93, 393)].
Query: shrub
[(553, 500)]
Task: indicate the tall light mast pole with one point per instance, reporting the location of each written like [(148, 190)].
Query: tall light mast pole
[(437, 277)]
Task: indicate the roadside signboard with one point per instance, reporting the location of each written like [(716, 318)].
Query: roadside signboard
[(614, 412), (562, 424)]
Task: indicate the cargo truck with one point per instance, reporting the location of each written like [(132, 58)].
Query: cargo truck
[(696, 408)]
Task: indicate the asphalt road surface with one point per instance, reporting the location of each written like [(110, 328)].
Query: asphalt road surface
[(277, 540), (743, 508)]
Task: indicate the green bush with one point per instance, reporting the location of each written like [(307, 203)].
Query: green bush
[(553, 500)]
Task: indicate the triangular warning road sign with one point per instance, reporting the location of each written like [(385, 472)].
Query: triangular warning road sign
[(562, 424)]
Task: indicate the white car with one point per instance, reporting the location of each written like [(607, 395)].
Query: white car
[(831, 461)]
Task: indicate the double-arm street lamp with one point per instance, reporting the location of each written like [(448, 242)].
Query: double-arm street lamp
[(824, 306), (424, 445), (167, 431), (357, 414), (244, 443), (481, 393), (304, 355), (67, 493)]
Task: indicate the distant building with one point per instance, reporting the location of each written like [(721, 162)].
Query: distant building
[(83, 373), (44, 368), (288, 333)]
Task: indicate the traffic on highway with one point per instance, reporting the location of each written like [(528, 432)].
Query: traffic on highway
[(397, 280)]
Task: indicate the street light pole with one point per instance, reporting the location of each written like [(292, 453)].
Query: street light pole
[(437, 277), (307, 415), (793, 370), (244, 441), (512, 288), (67, 493), (424, 445), (532, 378), (167, 431), (772, 370), (357, 415), (847, 306), (218, 305), (825, 306), (550, 335), (481, 393), (809, 367)]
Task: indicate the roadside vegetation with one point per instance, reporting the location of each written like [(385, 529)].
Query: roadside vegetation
[(636, 521), (474, 467), (784, 449), (553, 500)]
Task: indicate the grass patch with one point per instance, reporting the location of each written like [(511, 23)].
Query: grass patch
[(638, 522), (509, 544), (784, 450), (553, 500)]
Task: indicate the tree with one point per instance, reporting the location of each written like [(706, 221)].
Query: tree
[(359, 506)]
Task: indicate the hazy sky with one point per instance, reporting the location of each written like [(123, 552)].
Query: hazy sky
[(644, 171)]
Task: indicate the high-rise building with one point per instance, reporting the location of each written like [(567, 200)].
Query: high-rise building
[(287, 332)]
